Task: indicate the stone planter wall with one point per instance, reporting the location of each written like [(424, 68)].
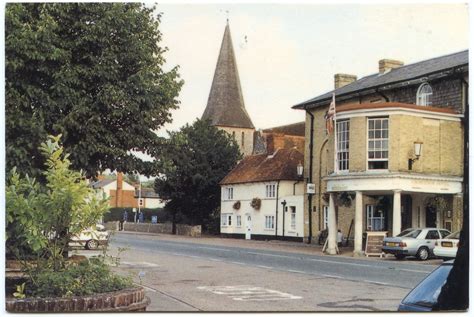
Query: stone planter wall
[(167, 228), (133, 299)]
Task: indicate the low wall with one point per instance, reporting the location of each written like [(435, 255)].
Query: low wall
[(125, 300), (167, 228)]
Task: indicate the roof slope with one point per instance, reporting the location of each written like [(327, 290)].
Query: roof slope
[(102, 183), (225, 106), (260, 168), (397, 75), (296, 129)]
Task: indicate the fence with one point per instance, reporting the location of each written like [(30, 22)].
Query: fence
[(167, 227)]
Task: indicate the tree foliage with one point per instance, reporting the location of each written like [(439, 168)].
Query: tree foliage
[(41, 219), (194, 161), (92, 72)]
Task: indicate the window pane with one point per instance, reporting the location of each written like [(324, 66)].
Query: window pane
[(385, 124), (378, 124)]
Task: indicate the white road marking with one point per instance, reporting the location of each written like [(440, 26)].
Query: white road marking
[(296, 271), (146, 264), (248, 293), (265, 267), (274, 255), (240, 263)]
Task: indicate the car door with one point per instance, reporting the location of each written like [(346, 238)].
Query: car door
[(431, 237)]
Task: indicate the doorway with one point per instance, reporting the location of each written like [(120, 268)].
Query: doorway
[(248, 227), (430, 217)]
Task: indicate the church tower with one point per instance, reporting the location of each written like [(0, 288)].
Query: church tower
[(225, 106)]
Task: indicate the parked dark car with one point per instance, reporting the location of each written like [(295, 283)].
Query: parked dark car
[(425, 295)]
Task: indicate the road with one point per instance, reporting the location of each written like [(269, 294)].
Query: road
[(182, 275)]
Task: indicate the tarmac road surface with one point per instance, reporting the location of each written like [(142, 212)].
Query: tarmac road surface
[(196, 276)]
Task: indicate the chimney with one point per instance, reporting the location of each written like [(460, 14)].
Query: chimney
[(340, 80), (386, 65), (119, 180)]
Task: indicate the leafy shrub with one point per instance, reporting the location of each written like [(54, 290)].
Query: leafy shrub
[(78, 279), (256, 203)]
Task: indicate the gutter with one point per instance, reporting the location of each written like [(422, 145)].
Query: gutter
[(310, 177)]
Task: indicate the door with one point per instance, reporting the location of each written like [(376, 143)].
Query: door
[(248, 227), (430, 217)]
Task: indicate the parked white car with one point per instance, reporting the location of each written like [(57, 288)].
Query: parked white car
[(447, 248), (91, 238), (417, 242)]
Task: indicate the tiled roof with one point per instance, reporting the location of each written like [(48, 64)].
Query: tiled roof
[(102, 183), (382, 105), (289, 129), (396, 75), (260, 168), (225, 106)]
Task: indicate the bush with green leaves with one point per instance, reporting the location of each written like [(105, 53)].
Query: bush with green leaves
[(78, 279), (42, 218)]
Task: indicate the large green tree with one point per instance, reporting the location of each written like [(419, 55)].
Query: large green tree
[(194, 161), (92, 72)]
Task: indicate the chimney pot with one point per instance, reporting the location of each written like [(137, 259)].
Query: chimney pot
[(341, 80), (386, 65)]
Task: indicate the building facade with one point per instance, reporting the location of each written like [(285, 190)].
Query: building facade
[(262, 197), (397, 161)]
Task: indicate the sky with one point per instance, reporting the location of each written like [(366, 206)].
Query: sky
[(293, 50)]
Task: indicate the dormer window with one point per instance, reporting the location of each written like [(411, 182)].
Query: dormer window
[(424, 95)]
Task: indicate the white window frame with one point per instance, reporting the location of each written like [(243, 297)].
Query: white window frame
[(269, 222), (293, 217), (270, 191), (228, 193), (371, 218), (325, 217), (424, 95), (378, 141), (224, 222), (343, 138), (238, 221)]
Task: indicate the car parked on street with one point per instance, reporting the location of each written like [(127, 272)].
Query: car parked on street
[(447, 248), (417, 242), (425, 295), (91, 238)]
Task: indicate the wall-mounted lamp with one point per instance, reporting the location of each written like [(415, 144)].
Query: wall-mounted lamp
[(417, 150), (448, 213), (283, 203), (299, 169)]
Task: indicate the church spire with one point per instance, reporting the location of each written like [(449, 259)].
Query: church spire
[(225, 106)]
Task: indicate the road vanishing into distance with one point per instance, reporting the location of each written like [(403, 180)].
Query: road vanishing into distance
[(401, 274)]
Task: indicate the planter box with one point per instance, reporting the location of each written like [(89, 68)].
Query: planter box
[(132, 299)]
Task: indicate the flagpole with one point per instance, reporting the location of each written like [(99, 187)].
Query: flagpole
[(335, 135)]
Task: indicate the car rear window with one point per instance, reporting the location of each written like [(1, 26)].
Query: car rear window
[(426, 293), (409, 233)]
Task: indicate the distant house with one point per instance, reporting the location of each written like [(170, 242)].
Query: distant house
[(262, 197), (122, 194)]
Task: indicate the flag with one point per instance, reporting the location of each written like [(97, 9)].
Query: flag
[(331, 115)]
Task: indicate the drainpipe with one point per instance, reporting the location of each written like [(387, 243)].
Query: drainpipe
[(320, 180), (276, 212), (310, 177), (382, 94)]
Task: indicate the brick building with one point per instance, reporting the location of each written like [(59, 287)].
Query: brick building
[(399, 158)]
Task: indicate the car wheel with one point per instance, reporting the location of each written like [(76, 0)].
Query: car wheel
[(92, 245), (423, 253), (399, 256)]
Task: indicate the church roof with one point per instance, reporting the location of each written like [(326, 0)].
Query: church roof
[(297, 129), (225, 106)]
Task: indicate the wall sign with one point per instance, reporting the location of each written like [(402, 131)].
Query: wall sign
[(374, 243), (311, 188)]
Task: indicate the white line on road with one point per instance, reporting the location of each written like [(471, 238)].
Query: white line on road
[(296, 271), (265, 267), (146, 287)]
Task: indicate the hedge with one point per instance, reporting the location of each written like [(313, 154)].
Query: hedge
[(116, 214)]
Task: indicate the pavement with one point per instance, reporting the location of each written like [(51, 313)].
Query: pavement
[(214, 274)]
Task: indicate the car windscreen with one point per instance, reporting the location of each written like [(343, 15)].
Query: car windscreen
[(409, 233), (426, 293), (454, 235)]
